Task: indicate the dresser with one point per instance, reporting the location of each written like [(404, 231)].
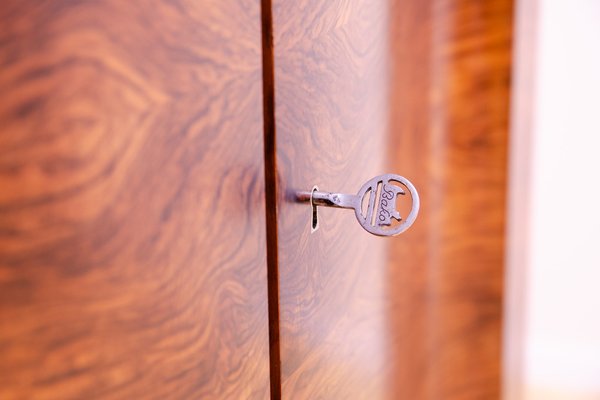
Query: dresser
[(152, 244)]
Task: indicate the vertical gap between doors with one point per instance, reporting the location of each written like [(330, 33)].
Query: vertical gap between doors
[(271, 196)]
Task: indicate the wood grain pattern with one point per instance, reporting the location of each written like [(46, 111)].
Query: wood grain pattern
[(418, 88), (452, 107), (331, 120), (132, 239)]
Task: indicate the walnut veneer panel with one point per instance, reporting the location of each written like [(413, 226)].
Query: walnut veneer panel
[(132, 238), (418, 88), (331, 127), (450, 97)]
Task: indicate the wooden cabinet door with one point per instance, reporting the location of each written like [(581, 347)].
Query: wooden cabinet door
[(132, 235), (413, 87)]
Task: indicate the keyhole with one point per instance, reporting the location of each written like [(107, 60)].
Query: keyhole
[(315, 213)]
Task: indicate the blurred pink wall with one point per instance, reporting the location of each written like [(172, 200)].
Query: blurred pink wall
[(552, 321)]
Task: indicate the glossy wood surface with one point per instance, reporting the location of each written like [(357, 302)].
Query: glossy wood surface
[(452, 124), (132, 224), (330, 115), (418, 88)]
